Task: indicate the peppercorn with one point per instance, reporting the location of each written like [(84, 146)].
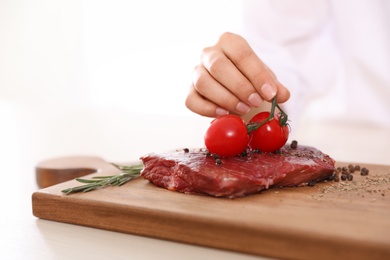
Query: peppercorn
[(350, 177), (351, 168), (357, 167), (294, 144), (244, 154), (218, 161), (186, 150), (364, 171), (343, 176), (331, 178)]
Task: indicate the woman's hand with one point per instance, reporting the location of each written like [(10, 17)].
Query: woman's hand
[(232, 79)]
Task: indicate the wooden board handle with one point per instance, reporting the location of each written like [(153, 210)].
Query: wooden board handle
[(57, 170)]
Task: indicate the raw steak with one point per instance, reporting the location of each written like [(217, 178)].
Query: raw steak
[(196, 172)]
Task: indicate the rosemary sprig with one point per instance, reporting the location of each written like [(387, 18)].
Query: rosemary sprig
[(128, 173)]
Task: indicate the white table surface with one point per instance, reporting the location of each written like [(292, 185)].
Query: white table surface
[(30, 134)]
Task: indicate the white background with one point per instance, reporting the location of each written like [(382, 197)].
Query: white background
[(109, 79), (80, 76), (135, 55), (96, 78)]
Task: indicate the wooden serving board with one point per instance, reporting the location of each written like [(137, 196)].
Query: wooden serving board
[(332, 220)]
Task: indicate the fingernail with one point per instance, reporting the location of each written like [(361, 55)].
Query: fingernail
[(242, 108), (268, 91), (220, 111), (255, 100)]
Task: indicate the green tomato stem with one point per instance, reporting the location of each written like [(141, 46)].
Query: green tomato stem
[(283, 118)]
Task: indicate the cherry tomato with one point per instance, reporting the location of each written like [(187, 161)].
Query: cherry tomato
[(269, 137), (227, 136)]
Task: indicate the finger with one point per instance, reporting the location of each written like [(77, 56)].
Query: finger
[(212, 90), (198, 104), (283, 93), (250, 65), (227, 74)]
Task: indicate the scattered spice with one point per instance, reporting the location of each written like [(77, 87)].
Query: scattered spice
[(186, 150), (346, 172), (361, 186)]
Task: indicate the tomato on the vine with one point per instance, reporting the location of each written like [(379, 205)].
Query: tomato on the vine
[(227, 136), (269, 137)]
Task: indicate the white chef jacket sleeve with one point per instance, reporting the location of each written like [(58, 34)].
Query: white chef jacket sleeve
[(334, 59), (288, 37)]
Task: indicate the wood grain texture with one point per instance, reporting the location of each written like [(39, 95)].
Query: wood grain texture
[(345, 220)]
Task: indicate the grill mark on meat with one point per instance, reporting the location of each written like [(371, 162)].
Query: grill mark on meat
[(196, 173)]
